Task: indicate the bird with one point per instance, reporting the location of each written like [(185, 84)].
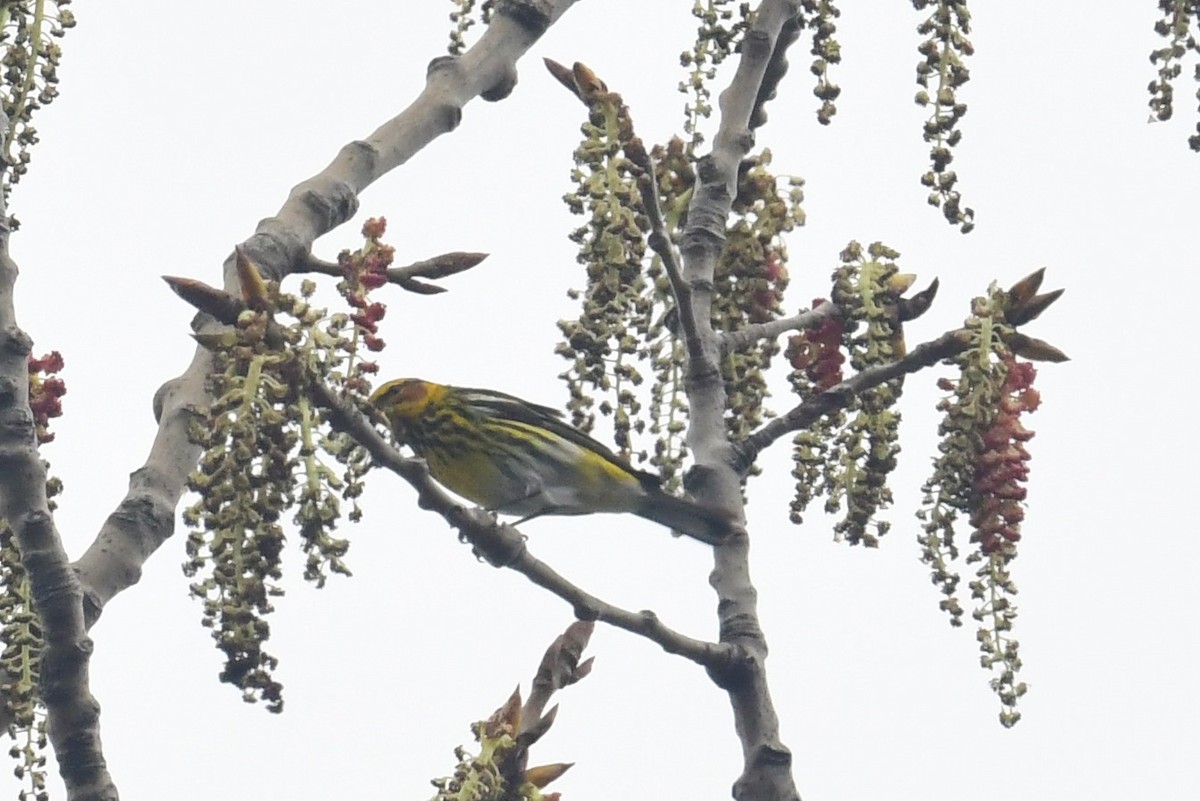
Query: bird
[(515, 457)]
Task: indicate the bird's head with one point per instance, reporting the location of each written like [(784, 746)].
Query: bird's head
[(405, 398)]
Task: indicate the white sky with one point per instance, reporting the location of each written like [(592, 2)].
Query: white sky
[(180, 126)]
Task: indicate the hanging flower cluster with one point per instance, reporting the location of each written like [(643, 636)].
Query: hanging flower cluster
[(847, 456), (821, 21), (626, 325), (982, 468), (1175, 26), (1001, 468), (29, 36), (20, 670), (268, 449), (717, 38), (942, 68), (817, 361)]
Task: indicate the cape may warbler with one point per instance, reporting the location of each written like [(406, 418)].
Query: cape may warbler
[(516, 457)]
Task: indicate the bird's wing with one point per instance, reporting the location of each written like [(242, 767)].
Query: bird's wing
[(522, 411)]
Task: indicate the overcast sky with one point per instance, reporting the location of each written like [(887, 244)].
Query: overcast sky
[(183, 124)]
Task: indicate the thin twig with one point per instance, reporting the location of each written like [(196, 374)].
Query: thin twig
[(405, 277), (660, 241), (839, 396), (752, 333), (714, 656)]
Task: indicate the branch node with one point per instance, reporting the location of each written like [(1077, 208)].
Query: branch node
[(503, 86), (586, 612), (532, 15)]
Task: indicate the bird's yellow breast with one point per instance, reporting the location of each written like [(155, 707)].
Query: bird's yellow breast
[(474, 475)]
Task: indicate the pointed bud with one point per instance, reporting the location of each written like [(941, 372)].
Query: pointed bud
[(534, 733), (1032, 308), (507, 717), (215, 342), (563, 75), (587, 81), (216, 302), (899, 283), (541, 775), (584, 668), (918, 304), (1035, 349), (1026, 288), (419, 287), (449, 264), (254, 288), (578, 634)]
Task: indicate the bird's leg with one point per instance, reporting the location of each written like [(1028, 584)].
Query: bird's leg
[(532, 491), (529, 517)]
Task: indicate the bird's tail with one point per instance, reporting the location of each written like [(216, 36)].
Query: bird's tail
[(685, 517)]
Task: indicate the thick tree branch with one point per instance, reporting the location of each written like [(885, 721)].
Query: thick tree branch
[(766, 773), (145, 518), (839, 396), (761, 67), (503, 545), (73, 715)]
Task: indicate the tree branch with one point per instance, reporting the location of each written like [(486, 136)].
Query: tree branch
[(73, 715), (145, 517), (767, 762), (660, 242), (405, 277), (500, 544), (504, 546), (719, 657), (839, 396), (753, 332)]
